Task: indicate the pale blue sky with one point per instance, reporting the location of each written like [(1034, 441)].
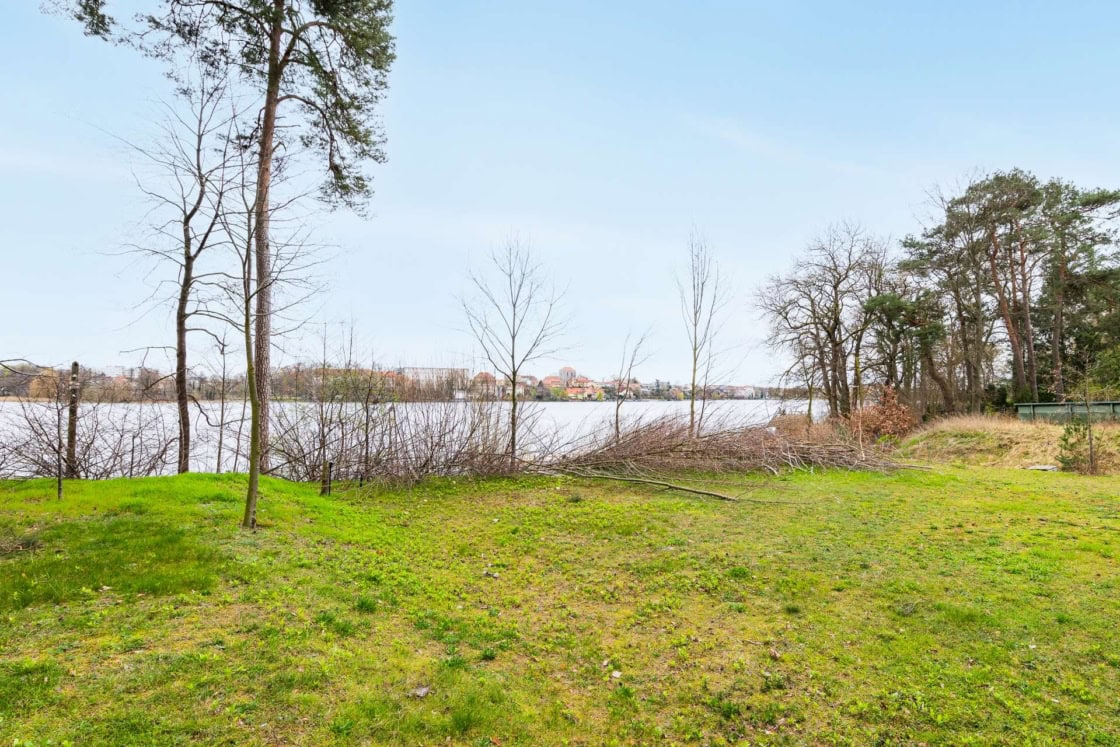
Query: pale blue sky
[(601, 132)]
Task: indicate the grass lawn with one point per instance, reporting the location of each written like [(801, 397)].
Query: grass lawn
[(954, 606)]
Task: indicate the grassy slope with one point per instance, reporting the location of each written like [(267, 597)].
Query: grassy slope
[(953, 606), (1003, 442)]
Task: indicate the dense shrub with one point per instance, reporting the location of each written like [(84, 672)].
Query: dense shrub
[(886, 419)]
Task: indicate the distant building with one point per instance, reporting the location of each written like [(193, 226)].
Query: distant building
[(582, 388), (632, 390), (484, 385), (430, 376)]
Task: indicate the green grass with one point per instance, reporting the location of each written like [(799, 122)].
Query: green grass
[(951, 606)]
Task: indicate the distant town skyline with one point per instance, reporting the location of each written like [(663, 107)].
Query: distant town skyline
[(309, 381)]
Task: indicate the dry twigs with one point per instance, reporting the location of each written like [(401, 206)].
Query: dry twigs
[(657, 452)]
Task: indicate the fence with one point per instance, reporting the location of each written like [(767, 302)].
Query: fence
[(1064, 412)]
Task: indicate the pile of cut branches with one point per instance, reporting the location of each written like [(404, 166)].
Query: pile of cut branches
[(657, 452)]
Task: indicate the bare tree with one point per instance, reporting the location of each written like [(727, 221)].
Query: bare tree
[(702, 298), (817, 313), (514, 318), (191, 160), (632, 356)]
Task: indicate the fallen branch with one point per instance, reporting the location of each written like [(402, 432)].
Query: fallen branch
[(650, 481), (667, 485)]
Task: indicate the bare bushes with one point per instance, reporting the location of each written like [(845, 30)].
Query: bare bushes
[(112, 440), (664, 447), (405, 443), (799, 427), (402, 443), (392, 442)]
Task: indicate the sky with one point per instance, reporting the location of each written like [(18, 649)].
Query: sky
[(601, 134)]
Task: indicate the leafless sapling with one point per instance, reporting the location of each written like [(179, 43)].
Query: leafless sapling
[(702, 299), (514, 317)]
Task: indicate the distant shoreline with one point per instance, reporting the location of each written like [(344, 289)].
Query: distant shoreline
[(43, 400)]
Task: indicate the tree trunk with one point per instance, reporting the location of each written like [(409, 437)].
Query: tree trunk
[(181, 316), (1059, 331), (827, 383), (942, 383), (1089, 426), (976, 397), (809, 412), (249, 520), (221, 413), (1028, 325), (72, 425), (857, 377), (692, 391), (1032, 366), (1008, 318), (513, 423), (840, 371), (617, 414), (263, 322)]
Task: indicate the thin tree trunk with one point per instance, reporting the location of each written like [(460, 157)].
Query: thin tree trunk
[(364, 478), (249, 520), (857, 380), (618, 415), (809, 412), (1089, 426), (976, 396), (1059, 330), (1008, 318), (221, 413), (58, 461), (840, 369), (181, 316), (692, 393), (513, 424), (72, 425), (1028, 325), (263, 342)]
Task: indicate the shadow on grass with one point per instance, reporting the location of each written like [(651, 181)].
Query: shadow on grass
[(124, 554)]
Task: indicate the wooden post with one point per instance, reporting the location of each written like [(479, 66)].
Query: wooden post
[(325, 478), (72, 425)]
